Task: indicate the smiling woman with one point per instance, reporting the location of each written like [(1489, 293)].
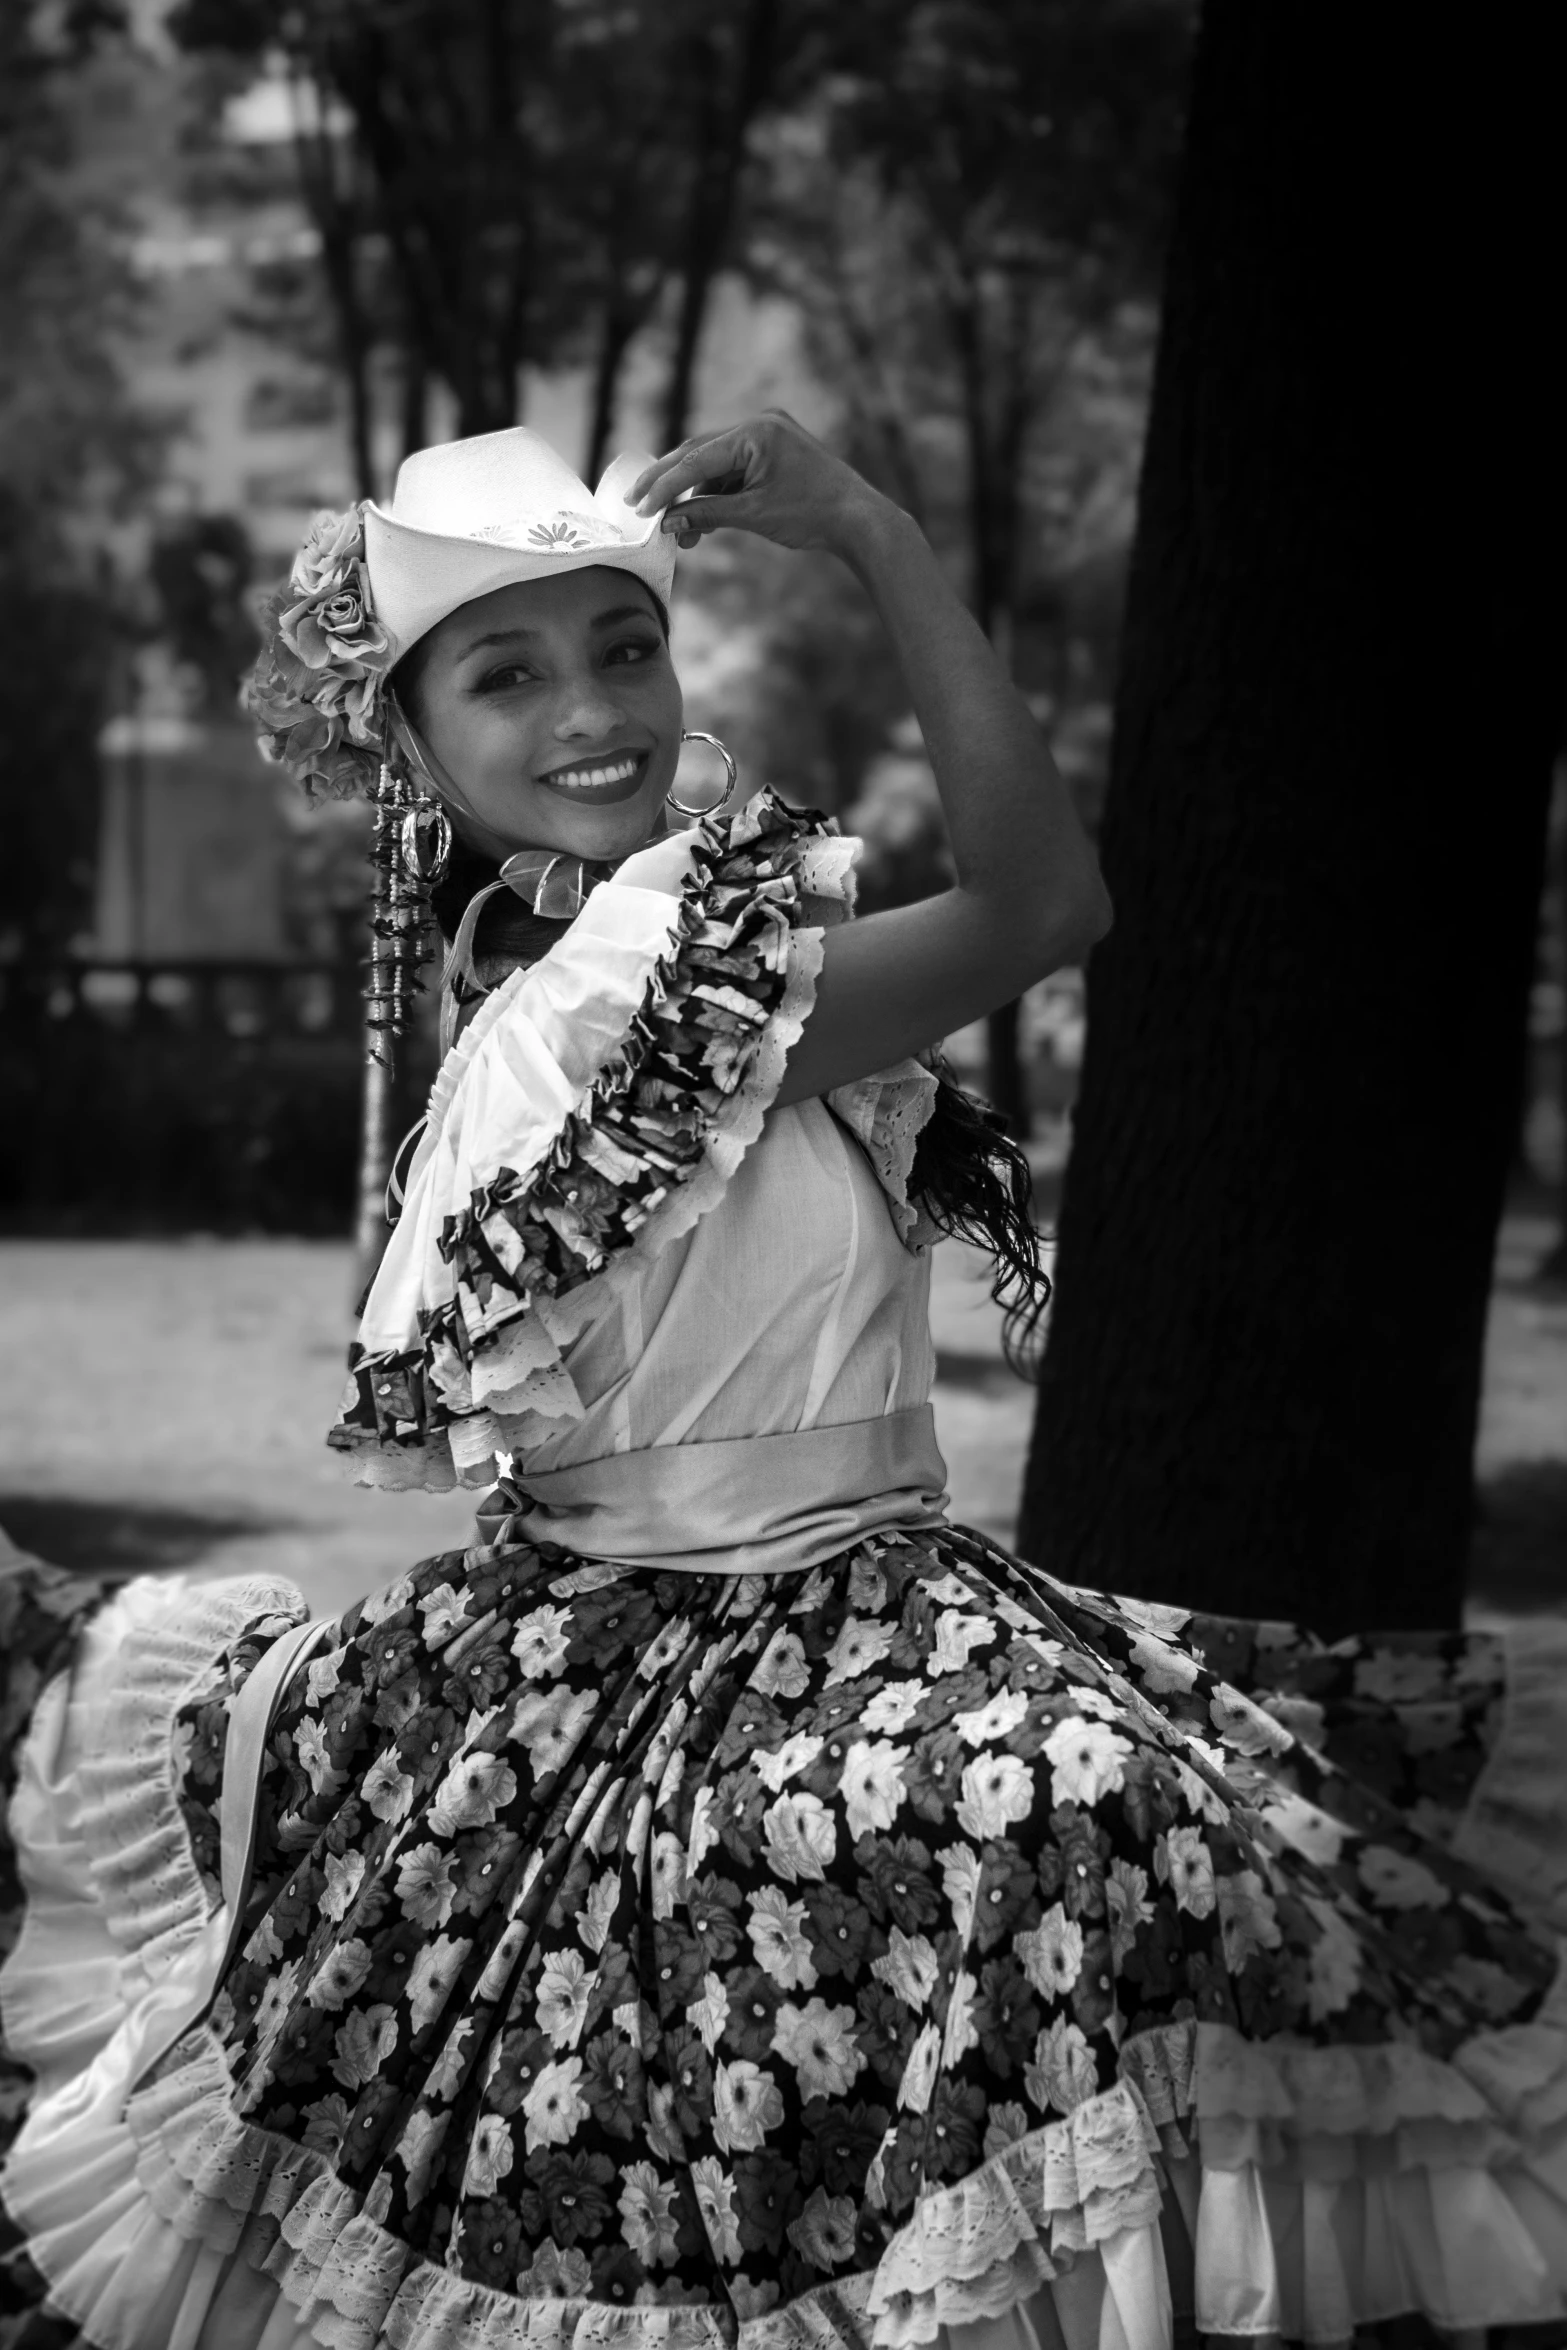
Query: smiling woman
[(729, 1906), (549, 712)]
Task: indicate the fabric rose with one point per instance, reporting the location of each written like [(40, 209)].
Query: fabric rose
[(316, 691)]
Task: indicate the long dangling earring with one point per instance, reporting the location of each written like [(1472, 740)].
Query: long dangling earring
[(409, 849), (731, 773)]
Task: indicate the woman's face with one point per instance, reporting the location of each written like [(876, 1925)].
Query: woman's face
[(555, 711)]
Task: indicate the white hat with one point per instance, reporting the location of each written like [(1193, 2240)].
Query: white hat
[(472, 516)]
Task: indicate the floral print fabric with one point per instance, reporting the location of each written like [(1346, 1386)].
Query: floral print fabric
[(663, 1940)]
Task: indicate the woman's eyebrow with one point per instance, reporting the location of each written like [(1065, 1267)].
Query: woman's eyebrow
[(511, 636)]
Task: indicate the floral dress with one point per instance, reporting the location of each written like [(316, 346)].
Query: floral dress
[(821, 1941)]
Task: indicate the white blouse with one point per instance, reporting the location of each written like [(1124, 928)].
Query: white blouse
[(779, 1288), (793, 1304)]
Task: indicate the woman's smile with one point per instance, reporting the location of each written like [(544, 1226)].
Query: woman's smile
[(602, 781)]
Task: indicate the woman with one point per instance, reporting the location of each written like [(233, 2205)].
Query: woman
[(729, 1902)]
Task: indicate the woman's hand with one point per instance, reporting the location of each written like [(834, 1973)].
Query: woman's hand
[(769, 476)]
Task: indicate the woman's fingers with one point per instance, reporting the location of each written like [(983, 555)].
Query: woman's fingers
[(651, 473), (690, 467), (693, 518)]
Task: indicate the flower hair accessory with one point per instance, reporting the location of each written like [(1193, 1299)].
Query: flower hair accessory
[(315, 692)]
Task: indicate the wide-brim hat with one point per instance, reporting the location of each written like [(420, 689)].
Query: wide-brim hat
[(468, 517)]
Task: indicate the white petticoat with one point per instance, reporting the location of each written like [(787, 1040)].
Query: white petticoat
[(1335, 2186)]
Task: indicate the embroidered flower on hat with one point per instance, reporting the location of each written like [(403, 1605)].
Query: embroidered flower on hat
[(563, 533)]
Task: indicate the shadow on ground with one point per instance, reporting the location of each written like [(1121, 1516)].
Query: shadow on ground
[(118, 1537), (1519, 1559)]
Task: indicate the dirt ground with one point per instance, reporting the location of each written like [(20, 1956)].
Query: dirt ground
[(162, 1404)]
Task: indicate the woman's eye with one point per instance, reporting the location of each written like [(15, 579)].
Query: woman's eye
[(497, 680), (632, 649)]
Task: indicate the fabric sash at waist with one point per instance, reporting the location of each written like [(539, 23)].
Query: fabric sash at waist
[(746, 1505)]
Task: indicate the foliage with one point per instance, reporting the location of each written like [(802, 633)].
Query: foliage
[(200, 569), (72, 449), (977, 202), (506, 183), (58, 639)]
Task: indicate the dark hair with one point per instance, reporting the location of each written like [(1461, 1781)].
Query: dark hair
[(976, 1185)]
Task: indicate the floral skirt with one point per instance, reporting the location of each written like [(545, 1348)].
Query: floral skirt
[(849, 1957)]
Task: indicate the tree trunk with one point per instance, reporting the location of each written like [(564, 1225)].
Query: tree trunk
[(994, 493), (615, 336), (706, 228), (414, 403), (334, 209), (1339, 700), (724, 122), (1005, 1082), (1553, 1267)]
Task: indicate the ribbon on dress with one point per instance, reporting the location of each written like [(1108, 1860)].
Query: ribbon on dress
[(549, 883), (742, 1505)]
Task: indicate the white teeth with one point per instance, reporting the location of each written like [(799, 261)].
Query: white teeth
[(587, 778)]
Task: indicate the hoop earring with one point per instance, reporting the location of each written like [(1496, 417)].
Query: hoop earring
[(426, 840), (732, 774)]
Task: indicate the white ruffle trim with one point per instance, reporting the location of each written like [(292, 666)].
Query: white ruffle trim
[(105, 1860), (976, 2249), (1337, 2186), (522, 1373), (1101, 2205), (1514, 1827)]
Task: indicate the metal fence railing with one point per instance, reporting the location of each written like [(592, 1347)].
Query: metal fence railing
[(173, 1095)]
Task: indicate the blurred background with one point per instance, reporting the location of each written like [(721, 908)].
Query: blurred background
[(251, 255)]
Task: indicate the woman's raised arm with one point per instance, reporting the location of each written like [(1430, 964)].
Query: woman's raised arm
[(1028, 896)]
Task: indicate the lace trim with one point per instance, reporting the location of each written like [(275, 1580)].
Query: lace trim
[(210, 2175), (972, 2252), (1161, 2067), (828, 878), (1290, 2109), (887, 1114), (650, 1147), (153, 1647), (976, 2249)]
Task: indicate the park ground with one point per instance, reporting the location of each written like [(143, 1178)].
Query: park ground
[(163, 1403)]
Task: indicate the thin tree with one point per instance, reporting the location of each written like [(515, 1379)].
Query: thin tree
[(1339, 703), (727, 64)]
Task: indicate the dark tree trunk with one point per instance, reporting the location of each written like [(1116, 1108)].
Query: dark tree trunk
[(723, 122), (1004, 1069), (1339, 700), (614, 341), (995, 418), (326, 179), (1554, 1265), (415, 397), (355, 346)]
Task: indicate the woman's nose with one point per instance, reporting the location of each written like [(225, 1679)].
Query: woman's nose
[(587, 710)]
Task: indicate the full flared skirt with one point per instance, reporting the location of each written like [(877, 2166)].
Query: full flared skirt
[(863, 1955)]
